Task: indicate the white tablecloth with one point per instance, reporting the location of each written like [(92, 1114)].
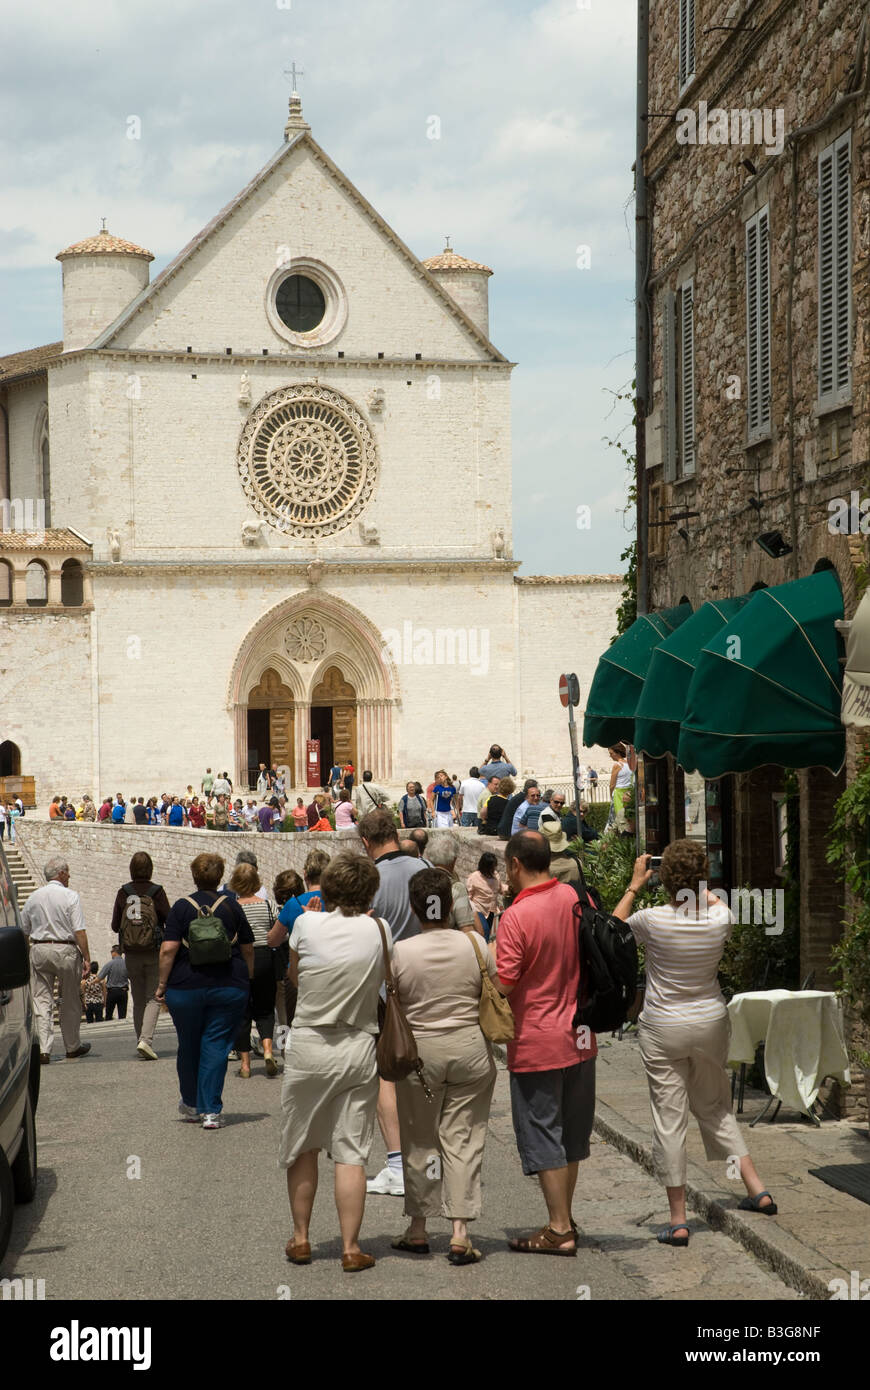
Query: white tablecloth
[(802, 1032)]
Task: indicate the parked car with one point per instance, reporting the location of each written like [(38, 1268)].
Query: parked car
[(19, 1063)]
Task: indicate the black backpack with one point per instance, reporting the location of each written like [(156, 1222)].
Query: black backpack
[(608, 964)]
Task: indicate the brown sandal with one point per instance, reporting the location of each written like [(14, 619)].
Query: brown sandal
[(546, 1241), (298, 1254)]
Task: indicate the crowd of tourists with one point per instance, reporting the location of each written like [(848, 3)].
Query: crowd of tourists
[(487, 799), (339, 960)]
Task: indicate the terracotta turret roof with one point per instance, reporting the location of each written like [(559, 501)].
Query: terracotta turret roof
[(449, 260), (104, 244)]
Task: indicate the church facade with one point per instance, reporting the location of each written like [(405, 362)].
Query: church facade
[(265, 500)]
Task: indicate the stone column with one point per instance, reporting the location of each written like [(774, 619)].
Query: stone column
[(388, 759), (363, 734), (301, 733), (19, 586), (240, 739), (54, 587)]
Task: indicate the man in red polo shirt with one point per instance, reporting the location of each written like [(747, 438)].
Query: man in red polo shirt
[(551, 1063)]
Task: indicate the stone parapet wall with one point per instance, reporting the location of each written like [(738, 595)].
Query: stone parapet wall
[(99, 858)]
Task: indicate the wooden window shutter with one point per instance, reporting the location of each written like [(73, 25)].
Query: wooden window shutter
[(687, 379), (687, 41), (669, 387), (758, 322), (835, 271), (843, 276)]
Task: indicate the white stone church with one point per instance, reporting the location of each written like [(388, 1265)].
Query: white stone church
[(266, 499)]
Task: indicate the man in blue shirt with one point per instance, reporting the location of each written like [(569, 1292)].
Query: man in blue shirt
[(527, 815), (176, 813)]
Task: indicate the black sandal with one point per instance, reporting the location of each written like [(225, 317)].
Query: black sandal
[(753, 1204), (667, 1237), (414, 1247)]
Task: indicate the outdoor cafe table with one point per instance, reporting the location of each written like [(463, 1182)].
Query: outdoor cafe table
[(802, 1032)]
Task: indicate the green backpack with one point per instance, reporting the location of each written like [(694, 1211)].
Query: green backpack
[(207, 941)]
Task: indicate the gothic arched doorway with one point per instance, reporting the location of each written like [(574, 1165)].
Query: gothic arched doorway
[(333, 719), (271, 718)]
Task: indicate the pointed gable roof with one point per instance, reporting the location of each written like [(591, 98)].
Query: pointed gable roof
[(301, 138)]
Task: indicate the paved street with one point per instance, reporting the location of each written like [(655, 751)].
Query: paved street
[(208, 1217)]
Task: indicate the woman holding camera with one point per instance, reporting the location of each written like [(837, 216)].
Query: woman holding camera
[(684, 1028)]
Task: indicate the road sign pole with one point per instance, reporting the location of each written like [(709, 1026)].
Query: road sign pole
[(575, 763)]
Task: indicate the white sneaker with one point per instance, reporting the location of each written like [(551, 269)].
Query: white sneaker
[(188, 1113), (233, 1056), (212, 1122), (146, 1052), (387, 1183)]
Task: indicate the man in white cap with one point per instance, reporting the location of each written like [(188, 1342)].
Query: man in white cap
[(563, 866)]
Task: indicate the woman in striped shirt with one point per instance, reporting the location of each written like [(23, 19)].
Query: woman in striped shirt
[(684, 1027), (245, 883)]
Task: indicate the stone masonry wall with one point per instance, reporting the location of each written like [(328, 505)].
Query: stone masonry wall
[(99, 858)]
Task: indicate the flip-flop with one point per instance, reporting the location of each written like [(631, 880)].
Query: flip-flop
[(752, 1204), (414, 1247), (462, 1252), (546, 1241), (667, 1237)]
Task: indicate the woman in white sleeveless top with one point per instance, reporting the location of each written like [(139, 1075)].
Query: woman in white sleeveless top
[(620, 781), (684, 1027)]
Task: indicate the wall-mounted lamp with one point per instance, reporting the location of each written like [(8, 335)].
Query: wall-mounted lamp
[(773, 544)]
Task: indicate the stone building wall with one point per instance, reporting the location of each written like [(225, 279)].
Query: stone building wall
[(564, 624), (99, 858), (796, 57)]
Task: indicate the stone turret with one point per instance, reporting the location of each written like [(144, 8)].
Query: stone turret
[(101, 275), (467, 282)]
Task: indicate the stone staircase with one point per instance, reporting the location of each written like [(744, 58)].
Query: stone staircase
[(22, 879)]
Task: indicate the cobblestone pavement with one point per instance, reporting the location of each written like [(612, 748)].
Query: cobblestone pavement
[(208, 1216)]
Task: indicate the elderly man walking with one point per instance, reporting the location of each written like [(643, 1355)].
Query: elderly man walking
[(52, 918)]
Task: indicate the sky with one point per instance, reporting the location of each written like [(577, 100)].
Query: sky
[(530, 173)]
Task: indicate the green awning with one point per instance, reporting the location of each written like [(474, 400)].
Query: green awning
[(662, 703), (620, 674), (767, 686)]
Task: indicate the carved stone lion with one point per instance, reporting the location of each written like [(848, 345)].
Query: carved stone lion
[(369, 535), (252, 532)]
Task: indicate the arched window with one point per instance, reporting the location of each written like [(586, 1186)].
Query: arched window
[(45, 464), (5, 584), (72, 587), (10, 759), (37, 584)]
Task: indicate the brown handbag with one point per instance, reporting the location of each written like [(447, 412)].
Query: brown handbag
[(496, 1015), (396, 1051)]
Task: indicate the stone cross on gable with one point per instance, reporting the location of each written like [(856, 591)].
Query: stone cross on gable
[(294, 72)]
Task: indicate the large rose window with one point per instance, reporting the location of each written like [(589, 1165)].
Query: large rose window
[(307, 460)]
